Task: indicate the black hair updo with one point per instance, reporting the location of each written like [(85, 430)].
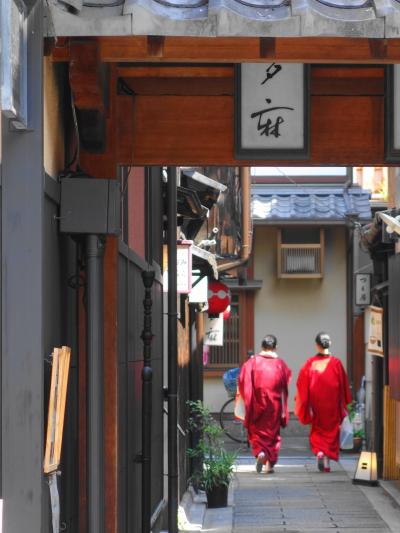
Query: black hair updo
[(323, 340), (269, 342)]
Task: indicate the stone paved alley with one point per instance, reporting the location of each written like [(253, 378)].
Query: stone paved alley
[(297, 498)]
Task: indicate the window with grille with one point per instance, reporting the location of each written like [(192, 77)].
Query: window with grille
[(228, 355), (300, 253)]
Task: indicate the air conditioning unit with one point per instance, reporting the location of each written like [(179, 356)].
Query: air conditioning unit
[(300, 253)]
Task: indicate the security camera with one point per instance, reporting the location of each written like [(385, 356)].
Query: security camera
[(392, 223)]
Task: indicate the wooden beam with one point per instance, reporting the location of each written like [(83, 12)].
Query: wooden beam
[(191, 130), (330, 50), (195, 80), (347, 80), (216, 80), (181, 86), (166, 71), (241, 49), (84, 75)]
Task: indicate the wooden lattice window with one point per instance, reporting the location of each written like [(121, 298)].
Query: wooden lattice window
[(228, 355), (300, 253)]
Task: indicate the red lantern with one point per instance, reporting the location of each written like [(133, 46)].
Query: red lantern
[(227, 313), (218, 297)]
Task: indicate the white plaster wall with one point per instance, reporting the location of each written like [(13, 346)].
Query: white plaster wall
[(214, 394), (295, 310)]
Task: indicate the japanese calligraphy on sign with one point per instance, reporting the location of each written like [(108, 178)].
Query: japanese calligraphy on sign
[(214, 331), (183, 267), (271, 111), (363, 289)]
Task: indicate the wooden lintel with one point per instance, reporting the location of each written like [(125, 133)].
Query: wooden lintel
[(166, 71), (329, 50), (241, 49), (197, 130)]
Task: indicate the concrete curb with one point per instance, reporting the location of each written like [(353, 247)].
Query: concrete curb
[(191, 511), (194, 516), (392, 488), (384, 498)]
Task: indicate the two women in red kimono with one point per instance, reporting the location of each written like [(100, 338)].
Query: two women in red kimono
[(323, 394), (322, 397)]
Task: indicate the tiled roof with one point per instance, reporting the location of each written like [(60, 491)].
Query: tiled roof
[(266, 18), (309, 203)]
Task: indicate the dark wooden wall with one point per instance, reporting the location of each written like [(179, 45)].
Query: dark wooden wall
[(129, 382)]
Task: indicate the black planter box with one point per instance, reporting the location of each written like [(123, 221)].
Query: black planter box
[(217, 497)]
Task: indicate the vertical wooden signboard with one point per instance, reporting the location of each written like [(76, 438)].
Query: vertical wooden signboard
[(57, 400)]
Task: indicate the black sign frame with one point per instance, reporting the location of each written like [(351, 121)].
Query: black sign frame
[(290, 154), (392, 153)]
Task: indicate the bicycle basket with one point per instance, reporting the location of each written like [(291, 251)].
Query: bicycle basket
[(230, 379)]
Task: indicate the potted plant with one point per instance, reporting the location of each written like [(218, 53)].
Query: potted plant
[(217, 464), (358, 436), (358, 430)]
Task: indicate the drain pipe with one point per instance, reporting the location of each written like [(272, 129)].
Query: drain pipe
[(172, 355), (95, 379), (147, 387)]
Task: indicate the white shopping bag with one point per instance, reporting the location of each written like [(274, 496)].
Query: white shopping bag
[(240, 409), (346, 434)]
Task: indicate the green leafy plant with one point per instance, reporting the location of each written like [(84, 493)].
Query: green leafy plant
[(358, 434), (218, 464), (351, 409)]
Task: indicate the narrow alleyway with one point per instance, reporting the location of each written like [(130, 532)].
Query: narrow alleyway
[(299, 499)]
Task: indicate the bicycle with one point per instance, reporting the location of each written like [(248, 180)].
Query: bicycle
[(231, 426)]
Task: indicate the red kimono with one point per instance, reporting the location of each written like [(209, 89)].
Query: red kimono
[(323, 394), (263, 384)]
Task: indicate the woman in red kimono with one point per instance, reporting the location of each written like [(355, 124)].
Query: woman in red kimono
[(263, 384), (323, 394)]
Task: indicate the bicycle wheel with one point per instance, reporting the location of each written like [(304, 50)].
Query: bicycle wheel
[(231, 426)]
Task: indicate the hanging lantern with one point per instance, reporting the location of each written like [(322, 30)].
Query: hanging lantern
[(218, 297), (227, 313)]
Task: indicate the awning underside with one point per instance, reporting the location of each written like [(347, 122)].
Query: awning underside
[(213, 18), (309, 204)]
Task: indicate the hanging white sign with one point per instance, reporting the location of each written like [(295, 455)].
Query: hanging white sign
[(373, 330), (214, 331), (199, 291), (183, 268), (272, 111), (363, 289)]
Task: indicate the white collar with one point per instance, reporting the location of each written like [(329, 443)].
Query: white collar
[(268, 353)]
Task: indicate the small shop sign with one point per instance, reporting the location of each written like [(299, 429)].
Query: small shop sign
[(373, 330), (199, 291), (214, 330), (363, 289), (272, 111), (183, 267), (392, 113)]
